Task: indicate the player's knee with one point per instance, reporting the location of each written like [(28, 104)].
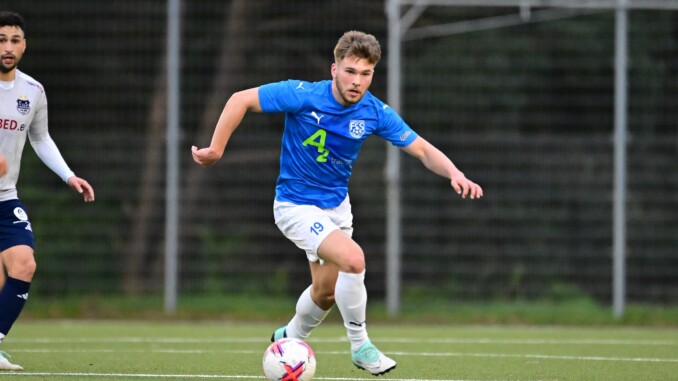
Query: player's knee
[(23, 270), (355, 263)]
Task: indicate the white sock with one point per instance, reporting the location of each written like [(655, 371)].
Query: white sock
[(2, 336), (308, 316), (350, 295)]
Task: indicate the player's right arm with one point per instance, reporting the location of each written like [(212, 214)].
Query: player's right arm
[(231, 116)]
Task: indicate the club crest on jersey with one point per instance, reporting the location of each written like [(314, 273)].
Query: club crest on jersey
[(356, 128), (23, 105)]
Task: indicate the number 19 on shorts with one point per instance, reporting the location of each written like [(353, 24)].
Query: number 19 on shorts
[(316, 228)]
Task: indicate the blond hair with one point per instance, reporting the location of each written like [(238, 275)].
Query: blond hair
[(358, 44)]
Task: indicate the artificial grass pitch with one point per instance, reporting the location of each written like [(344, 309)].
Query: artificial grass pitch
[(149, 350)]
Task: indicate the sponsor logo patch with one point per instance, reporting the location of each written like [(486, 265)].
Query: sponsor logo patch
[(20, 214)]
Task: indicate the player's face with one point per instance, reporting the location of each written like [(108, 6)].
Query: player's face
[(12, 47), (351, 78)]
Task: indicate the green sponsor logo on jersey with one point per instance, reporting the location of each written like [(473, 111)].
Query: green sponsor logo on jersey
[(318, 140)]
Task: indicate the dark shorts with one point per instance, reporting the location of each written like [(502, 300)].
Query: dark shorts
[(15, 227)]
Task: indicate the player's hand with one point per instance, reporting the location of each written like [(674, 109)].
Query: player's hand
[(3, 165), (81, 186), (465, 187), (205, 157)]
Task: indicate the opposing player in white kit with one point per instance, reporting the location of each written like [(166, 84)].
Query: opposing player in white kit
[(3, 170), (23, 113), (326, 123)]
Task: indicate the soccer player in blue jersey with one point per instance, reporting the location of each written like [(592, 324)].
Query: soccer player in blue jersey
[(326, 123), (23, 114)]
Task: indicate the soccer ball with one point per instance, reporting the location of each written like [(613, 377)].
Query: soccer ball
[(289, 360)]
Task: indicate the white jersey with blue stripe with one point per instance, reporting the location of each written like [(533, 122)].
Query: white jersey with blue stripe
[(322, 138)]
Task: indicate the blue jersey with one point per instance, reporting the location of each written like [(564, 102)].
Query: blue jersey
[(322, 138)]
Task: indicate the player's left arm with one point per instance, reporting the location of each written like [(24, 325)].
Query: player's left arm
[(48, 152), (438, 163)]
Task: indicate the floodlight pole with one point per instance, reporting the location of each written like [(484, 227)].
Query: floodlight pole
[(620, 113), (172, 138), (392, 168)]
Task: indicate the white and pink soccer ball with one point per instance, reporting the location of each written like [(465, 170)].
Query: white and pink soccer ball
[(289, 360)]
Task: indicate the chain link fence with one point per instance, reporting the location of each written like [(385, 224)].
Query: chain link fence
[(526, 111)]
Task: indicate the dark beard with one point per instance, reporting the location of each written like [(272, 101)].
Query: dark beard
[(5, 70)]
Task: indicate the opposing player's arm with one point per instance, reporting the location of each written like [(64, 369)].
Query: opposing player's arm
[(49, 153), (440, 164), (231, 116)]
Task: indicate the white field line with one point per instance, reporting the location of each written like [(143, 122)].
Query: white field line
[(414, 354), (538, 356), (133, 340), (209, 376)]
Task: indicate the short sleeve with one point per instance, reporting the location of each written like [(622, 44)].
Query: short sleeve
[(394, 129), (279, 97), (38, 129)]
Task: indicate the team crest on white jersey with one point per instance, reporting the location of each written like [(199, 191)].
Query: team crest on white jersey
[(356, 128), (23, 105)]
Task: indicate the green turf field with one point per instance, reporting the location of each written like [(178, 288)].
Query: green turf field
[(86, 350)]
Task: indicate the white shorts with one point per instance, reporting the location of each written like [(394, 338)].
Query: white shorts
[(307, 225)]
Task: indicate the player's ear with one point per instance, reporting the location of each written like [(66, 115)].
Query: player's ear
[(334, 70)]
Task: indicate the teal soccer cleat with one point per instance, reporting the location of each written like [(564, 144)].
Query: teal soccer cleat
[(5, 364), (279, 333), (369, 358)]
